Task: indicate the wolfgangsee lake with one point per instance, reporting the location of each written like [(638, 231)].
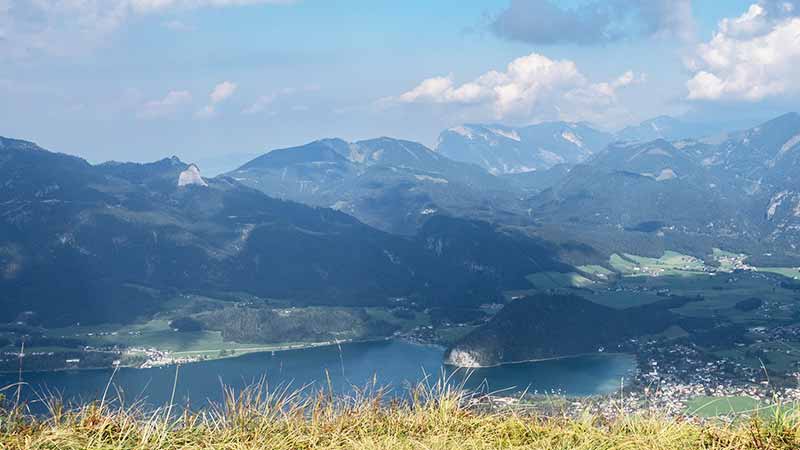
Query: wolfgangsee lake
[(394, 365)]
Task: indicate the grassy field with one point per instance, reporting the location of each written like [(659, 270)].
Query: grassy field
[(669, 264), (636, 280), (154, 333), (596, 271), (723, 406), (738, 408), (433, 418), (555, 280), (788, 272)]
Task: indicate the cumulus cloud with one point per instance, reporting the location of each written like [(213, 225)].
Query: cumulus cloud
[(750, 57), (219, 94), (222, 91), (593, 22), (167, 106), (63, 27), (531, 87)]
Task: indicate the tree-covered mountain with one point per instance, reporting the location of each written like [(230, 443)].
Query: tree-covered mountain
[(626, 185), (764, 164), (547, 326), (382, 221), (741, 192), (530, 183), (84, 243), (390, 184), (740, 189)]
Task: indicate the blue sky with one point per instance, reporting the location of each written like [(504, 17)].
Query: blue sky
[(204, 79)]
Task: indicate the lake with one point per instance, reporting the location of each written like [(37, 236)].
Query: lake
[(393, 363)]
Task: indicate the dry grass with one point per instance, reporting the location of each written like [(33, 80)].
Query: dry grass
[(432, 417)]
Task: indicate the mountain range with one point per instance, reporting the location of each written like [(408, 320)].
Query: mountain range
[(514, 150), (734, 189), (391, 184), (94, 243), (507, 150), (374, 222), (741, 190)]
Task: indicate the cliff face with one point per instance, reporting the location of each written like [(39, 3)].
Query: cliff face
[(468, 358), (191, 177), (549, 326)]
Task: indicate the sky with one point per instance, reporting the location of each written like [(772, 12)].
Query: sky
[(215, 80)]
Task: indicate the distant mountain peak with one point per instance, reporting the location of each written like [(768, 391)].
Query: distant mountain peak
[(676, 129), (473, 131), (18, 144), (791, 119), (502, 149), (324, 150), (792, 115), (331, 142), (463, 130)]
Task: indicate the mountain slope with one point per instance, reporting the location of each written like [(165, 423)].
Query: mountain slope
[(391, 184), (668, 128), (507, 150), (769, 151), (764, 162), (548, 326), (97, 243), (627, 185)]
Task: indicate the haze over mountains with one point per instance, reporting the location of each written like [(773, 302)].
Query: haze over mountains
[(387, 183), (512, 150), (505, 150), (370, 222), (726, 188), (86, 243)]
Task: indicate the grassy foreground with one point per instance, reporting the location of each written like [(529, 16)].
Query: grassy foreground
[(433, 418)]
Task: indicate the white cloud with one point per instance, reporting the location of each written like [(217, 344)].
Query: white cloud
[(593, 22), (166, 106), (56, 26), (160, 5), (532, 87), (65, 27), (219, 94), (750, 57), (222, 91)]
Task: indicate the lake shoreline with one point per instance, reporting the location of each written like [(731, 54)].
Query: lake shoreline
[(284, 348), (239, 353), (392, 364), (553, 358)]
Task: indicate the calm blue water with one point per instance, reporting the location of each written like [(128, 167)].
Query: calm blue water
[(393, 363)]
